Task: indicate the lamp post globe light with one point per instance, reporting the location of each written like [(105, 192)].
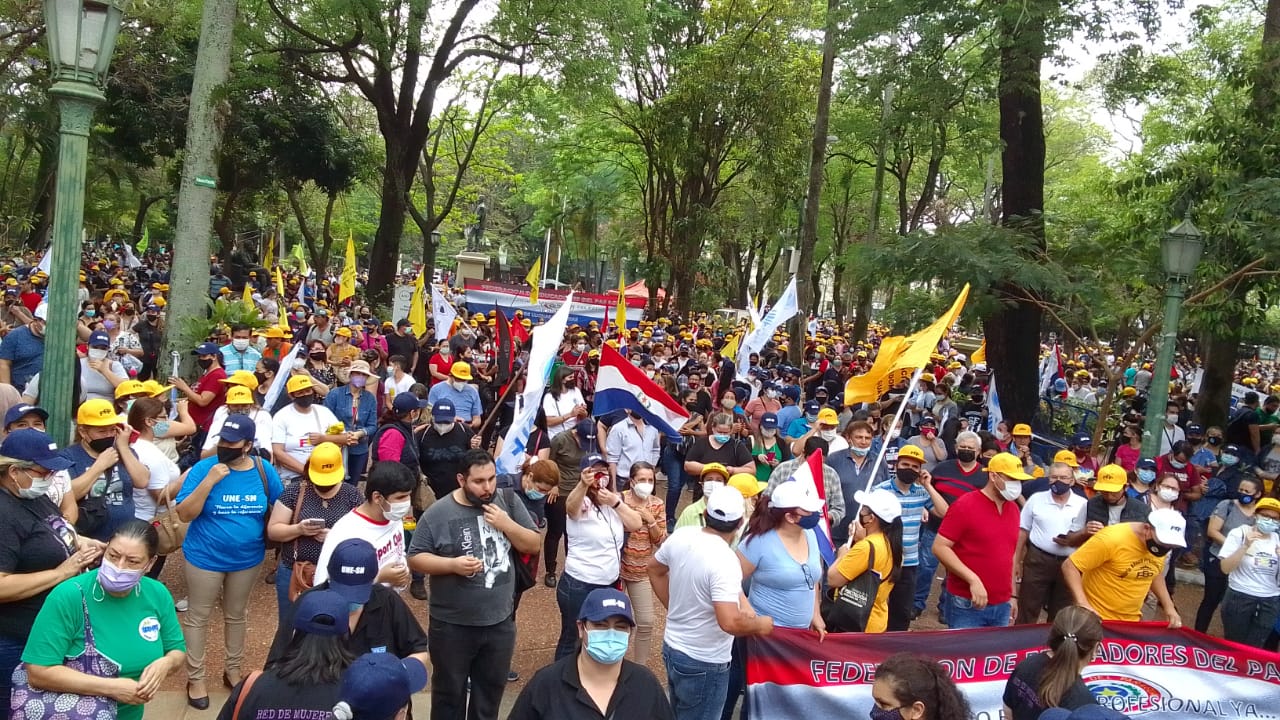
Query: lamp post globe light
[(82, 36), (1180, 253)]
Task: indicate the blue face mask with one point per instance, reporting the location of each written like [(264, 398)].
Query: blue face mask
[(534, 494), (810, 521), (1246, 499), (1059, 488), (161, 428), (1266, 525), (1146, 477), (1229, 460), (860, 452), (607, 646), (722, 439)]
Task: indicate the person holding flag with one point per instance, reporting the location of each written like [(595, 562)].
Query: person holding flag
[(831, 491)]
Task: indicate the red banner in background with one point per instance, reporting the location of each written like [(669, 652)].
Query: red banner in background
[(1142, 669)]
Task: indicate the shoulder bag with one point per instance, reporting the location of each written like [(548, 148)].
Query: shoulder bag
[(304, 571), (524, 566), (266, 495), (28, 703), (245, 687), (849, 608), (171, 529)]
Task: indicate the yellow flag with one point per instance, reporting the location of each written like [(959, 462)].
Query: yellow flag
[(271, 244), (283, 320), (898, 361), (620, 318), (418, 307), (247, 297), (533, 278), (980, 355), (347, 287), (730, 349)]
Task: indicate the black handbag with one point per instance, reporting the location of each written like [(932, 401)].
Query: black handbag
[(524, 566), (848, 609)]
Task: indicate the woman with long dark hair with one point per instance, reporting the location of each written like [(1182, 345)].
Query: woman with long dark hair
[(564, 404), (913, 687), (1052, 679), (309, 675), (878, 533)]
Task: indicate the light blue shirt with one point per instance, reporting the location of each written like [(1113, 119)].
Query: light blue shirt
[(781, 587), (233, 360), (227, 535), (466, 402)]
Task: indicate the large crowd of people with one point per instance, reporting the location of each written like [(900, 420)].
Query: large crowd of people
[(368, 482)]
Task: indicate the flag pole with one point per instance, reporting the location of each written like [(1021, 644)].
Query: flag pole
[(884, 447), (493, 414)]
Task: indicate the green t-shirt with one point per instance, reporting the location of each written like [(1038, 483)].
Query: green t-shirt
[(1266, 418), (134, 630)]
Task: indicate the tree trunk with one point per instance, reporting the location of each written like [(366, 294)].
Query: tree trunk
[(1220, 355), (42, 206), (863, 319), (806, 287), (1013, 331), (140, 217), (205, 123), (397, 177)]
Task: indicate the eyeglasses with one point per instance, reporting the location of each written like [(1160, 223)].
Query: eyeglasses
[(808, 578)]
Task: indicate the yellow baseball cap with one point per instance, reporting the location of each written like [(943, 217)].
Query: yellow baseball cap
[(1022, 429), (130, 387), (1111, 478), (154, 388), (912, 452), (461, 371), (324, 467), (98, 413), (747, 484), (1008, 465), (298, 383), (1066, 457), (239, 395), (827, 416), (715, 468), (243, 378)]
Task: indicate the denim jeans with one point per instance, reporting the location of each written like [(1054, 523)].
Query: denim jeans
[(928, 568), (10, 655), (961, 614), (1247, 619), (284, 576), (460, 653), (697, 689), (570, 594), (673, 468), (737, 681)]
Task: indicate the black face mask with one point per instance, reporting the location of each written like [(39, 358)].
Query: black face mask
[(262, 378), (966, 456), (907, 475), (304, 401), (205, 363), (318, 356), (1157, 549), (101, 444), (1215, 441), (476, 500), (153, 319), (228, 455), (1059, 488)]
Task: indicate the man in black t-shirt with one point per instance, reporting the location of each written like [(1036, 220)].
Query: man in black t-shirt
[(1242, 429), (441, 447), (403, 343)]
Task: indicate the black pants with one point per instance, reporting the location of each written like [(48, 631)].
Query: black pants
[(555, 532), (462, 652), (902, 600), (1215, 587), (1042, 586)]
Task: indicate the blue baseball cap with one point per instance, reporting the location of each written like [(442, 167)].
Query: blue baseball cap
[(322, 612), (405, 402), (16, 413), (206, 348), (443, 411), (604, 603), (34, 446), (1195, 429), (769, 421), (1146, 464), (592, 459), (353, 567), (812, 407), (793, 392), (1082, 440), (99, 339), (377, 686), (238, 428)]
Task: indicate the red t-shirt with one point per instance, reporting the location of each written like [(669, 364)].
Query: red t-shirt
[(1188, 477), (440, 365), (985, 539), (573, 359), (211, 382), (31, 300)]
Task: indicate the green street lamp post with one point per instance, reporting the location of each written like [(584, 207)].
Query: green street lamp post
[(82, 36), (1180, 252)]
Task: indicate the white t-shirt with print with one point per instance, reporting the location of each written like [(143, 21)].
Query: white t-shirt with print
[(292, 428), (1258, 574), (386, 537), (163, 471)]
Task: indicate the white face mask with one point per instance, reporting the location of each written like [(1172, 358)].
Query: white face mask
[(97, 354), (1012, 490), (240, 344), (443, 428), (643, 490), (827, 435), (768, 432), (398, 511), (710, 487), (1169, 495), (39, 487)]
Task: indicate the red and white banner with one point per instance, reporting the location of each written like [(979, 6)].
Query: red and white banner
[(1141, 669), (482, 296)]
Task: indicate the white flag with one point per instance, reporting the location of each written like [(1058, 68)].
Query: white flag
[(282, 377), (783, 310), (442, 313), (46, 262), (129, 259), (542, 356)]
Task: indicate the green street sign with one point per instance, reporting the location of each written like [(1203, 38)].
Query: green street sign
[(205, 182)]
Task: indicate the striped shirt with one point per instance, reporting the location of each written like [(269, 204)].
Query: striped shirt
[(915, 501)]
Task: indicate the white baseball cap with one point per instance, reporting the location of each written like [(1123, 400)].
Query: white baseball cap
[(1170, 527), (726, 504), (883, 503), (792, 494)]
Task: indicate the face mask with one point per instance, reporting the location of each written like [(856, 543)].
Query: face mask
[(811, 418), (205, 363), (317, 356), (1171, 418), (722, 439), (878, 714), (304, 401), (398, 510), (582, 347), (108, 324), (101, 444), (908, 475), (40, 485), (1229, 460), (1266, 525), (710, 487), (534, 494), (161, 428), (1057, 487), (358, 380), (607, 646), (1157, 549), (860, 451), (643, 490), (90, 313), (153, 318), (827, 435), (1146, 477), (1246, 499), (117, 580), (1012, 489), (810, 521), (966, 456), (1170, 495), (228, 455), (97, 354), (649, 374), (300, 315), (771, 394), (443, 428), (1176, 464), (1215, 441)]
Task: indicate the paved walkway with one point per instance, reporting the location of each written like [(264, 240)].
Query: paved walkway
[(172, 705)]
